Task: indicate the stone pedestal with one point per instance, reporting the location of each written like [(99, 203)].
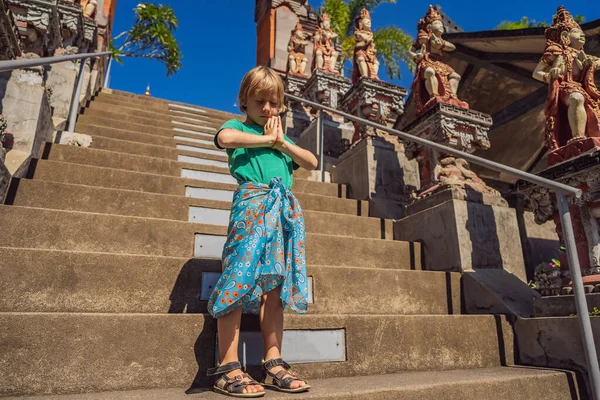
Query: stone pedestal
[(336, 134), (24, 103), (456, 127), (61, 82), (583, 172), (375, 101), (296, 118), (463, 235), (325, 88), (377, 170)]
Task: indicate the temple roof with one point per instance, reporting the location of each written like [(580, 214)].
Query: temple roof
[(496, 69)]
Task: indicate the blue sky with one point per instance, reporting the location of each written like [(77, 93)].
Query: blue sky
[(218, 41)]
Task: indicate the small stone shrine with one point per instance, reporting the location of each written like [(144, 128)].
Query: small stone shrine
[(572, 135)]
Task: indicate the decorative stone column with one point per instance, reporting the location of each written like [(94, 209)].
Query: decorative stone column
[(376, 167), (327, 88), (456, 127), (465, 224), (375, 101), (572, 136), (296, 117), (579, 167)]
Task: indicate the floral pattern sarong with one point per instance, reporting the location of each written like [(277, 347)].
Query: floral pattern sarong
[(264, 250)]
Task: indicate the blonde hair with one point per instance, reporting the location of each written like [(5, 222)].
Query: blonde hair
[(261, 80)]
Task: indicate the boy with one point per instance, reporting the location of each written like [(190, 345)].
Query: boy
[(264, 262)]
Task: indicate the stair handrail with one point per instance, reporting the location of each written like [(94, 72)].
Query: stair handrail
[(10, 65), (560, 189)]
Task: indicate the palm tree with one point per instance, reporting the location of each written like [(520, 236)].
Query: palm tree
[(392, 43)]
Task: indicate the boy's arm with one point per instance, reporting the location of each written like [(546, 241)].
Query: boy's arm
[(229, 138), (300, 156)]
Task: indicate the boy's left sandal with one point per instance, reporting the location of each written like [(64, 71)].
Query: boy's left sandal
[(235, 386), (282, 380)]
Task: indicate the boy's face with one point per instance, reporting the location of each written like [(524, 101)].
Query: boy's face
[(261, 107)]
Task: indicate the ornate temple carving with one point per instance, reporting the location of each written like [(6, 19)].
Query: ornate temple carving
[(376, 101), (573, 105), (297, 52), (365, 54), (10, 41), (71, 23), (90, 40), (435, 81), (326, 55), (39, 25)]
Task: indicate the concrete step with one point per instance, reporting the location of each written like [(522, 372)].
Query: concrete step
[(28, 227), (562, 306), (150, 120), (112, 159), (67, 281), (500, 383), (129, 147), (162, 107), (120, 107), (143, 100), (156, 120), (99, 105), (59, 196), (171, 140), (129, 162), (204, 129), (120, 179), (72, 352)]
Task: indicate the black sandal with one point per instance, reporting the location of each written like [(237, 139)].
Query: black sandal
[(235, 386), (282, 381)]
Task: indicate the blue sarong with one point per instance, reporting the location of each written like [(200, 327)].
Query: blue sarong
[(264, 250)]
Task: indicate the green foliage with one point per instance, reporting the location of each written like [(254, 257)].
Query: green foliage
[(594, 313), (392, 43), (525, 23), (151, 36)]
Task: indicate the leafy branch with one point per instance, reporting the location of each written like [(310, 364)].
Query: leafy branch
[(151, 36)]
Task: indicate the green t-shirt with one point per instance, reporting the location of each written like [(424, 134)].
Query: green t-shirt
[(259, 164)]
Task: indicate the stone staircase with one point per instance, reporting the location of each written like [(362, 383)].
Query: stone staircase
[(105, 252)]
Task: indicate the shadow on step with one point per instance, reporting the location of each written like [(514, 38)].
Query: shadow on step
[(186, 296)]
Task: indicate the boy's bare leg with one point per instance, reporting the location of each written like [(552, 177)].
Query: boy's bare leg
[(271, 325), (228, 330)]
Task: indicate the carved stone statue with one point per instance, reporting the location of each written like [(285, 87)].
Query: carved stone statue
[(435, 81), (365, 58), (325, 54), (573, 105), (297, 48)]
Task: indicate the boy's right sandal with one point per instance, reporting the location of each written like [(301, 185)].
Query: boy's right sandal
[(282, 380), (235, 386)]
